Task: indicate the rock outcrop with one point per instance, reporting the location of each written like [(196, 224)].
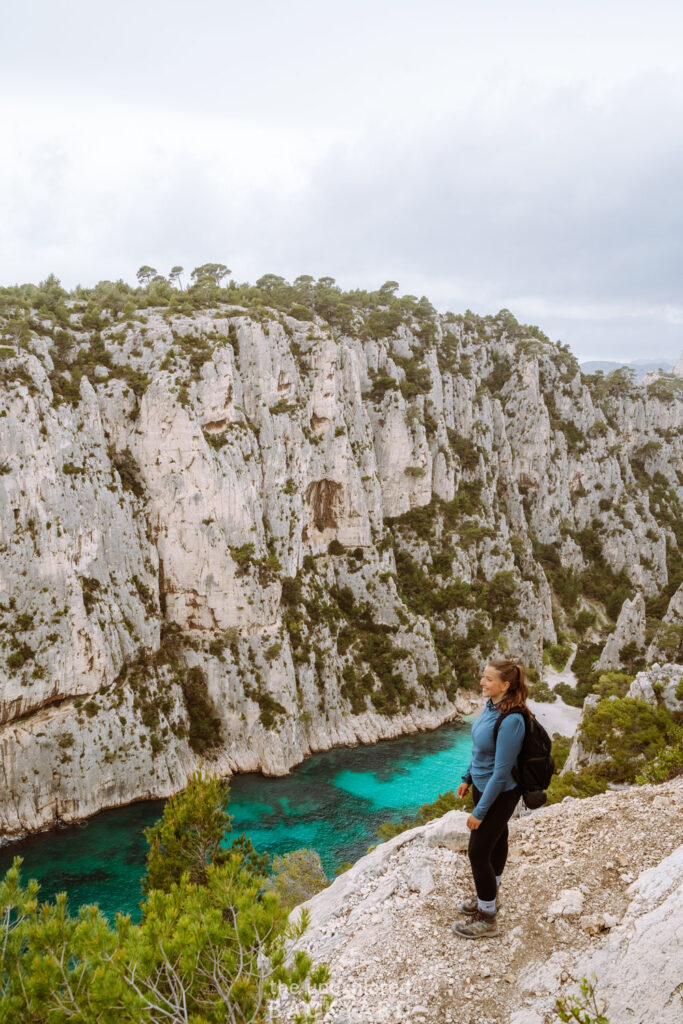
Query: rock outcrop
[(639, 967), (241, 536), (655, 685), (660, 683), (592, 887), (667, 641), (630, 629)]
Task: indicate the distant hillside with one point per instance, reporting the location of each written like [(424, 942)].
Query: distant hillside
[(640, 368)]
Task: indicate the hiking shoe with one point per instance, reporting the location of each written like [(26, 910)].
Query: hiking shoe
[(471, 905), (478, 926)]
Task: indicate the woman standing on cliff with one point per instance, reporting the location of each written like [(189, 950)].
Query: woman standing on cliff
[(495, 791)]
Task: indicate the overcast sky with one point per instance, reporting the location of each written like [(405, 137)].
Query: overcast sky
[(518, 153)]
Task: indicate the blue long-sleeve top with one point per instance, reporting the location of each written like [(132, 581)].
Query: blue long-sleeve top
[(491, 766)]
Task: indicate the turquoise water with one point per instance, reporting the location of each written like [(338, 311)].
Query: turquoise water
[(333, 802)]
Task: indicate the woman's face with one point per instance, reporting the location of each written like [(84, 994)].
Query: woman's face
[(492, 685)]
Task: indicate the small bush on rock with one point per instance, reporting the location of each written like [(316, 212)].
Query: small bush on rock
[(587, 782), (205, 727), (541, 691), (296, 877), (629, 731)]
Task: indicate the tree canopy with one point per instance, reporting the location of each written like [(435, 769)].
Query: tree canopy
[(214, 944)]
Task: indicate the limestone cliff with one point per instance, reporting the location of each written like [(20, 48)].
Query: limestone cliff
[(242, 535)]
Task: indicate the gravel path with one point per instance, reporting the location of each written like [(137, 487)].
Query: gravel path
[(558, 716)]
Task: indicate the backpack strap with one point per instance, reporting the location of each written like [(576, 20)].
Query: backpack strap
[(512, 711)]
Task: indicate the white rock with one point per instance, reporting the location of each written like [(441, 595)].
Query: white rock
[(569, 903), (596, 923), (421, 880), (274, 442), (639, 968)]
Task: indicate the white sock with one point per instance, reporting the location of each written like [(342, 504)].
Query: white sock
[(498, 878), (487, 906)]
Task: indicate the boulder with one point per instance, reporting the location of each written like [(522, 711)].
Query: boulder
[(569, 903), (659, 683)]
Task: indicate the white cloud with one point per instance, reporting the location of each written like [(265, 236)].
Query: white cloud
[(491, 155)]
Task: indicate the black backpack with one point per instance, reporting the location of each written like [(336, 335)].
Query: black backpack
[(535, 766)]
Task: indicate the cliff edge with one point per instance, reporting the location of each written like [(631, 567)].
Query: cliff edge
[(592, 886)]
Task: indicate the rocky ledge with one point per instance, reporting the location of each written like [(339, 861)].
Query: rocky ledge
[(592, 887)]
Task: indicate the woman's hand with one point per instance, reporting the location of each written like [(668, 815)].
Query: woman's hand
[(462, 790), (473, 823)]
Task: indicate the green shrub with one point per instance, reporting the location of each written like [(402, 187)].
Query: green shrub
[(381, 323), (560, 750), (291, 591), (541, 691), (126, 466), (282, 407), (91, 589), (667, 764), (584, 1007), (380, 385), (244, 557), (613, 684), (270, 709), (629, 731), (666, 387), (300, 312), (500, 598), (417, 377), (558, 655), (296, 876), (273, 652), (499, 375), (466, 450), (216, 441), (205, 727), (211, 939), (145, 595), (584, 620), (20, 655), (344, 598), (586, 782)]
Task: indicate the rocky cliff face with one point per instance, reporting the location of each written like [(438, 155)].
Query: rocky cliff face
[(241, 536)]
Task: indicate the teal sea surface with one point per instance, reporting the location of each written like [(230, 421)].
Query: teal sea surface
[(332, 802)]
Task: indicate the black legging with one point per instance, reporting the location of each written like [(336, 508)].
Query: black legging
[(488, 846)]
